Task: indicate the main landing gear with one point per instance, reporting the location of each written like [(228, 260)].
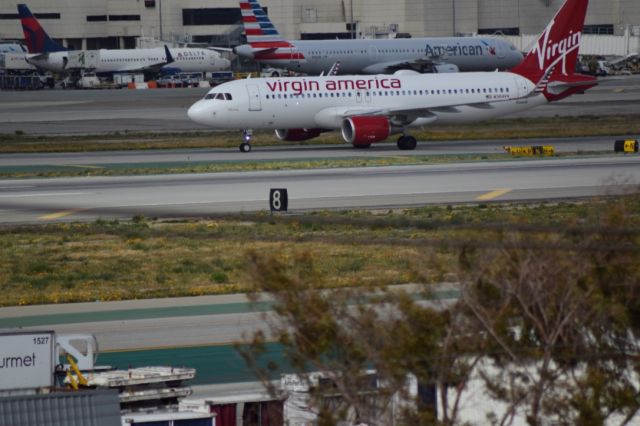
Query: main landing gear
[(406, 142), (245, 146)]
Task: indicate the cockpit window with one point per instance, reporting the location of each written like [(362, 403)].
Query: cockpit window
[(218, 96)]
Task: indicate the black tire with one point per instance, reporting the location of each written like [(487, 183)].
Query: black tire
[(407, 143), (402, 143), (410, 143), (367, 146), (245, 147)]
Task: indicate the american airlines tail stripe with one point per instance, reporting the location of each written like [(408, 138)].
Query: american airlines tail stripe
[(258, 32), (254, 20), (279, 56), (270, 44), (255, 25)]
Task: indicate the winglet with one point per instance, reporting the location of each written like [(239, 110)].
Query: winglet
[(168, 55), (36, 38)]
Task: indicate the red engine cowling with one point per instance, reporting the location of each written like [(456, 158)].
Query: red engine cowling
[(296, 135), (364, 130)]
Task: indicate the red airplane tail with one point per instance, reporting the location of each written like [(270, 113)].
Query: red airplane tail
[(551, 63), (36, 38)]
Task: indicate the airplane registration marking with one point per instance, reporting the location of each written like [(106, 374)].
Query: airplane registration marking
[(493, 194), (59, 215)]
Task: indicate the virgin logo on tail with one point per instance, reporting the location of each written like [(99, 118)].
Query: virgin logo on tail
[(558, 43), (550, 53)]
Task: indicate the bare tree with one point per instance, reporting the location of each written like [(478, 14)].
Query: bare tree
[(547, 320)]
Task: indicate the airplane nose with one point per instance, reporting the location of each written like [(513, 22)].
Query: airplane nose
[(198, 114)]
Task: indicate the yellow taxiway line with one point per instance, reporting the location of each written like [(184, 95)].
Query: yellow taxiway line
[(493, 194), (58, 215)]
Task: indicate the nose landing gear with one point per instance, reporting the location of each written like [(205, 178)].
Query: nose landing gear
[(245, 146)]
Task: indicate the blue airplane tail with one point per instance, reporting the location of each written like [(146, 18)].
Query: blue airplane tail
[(36, 38)]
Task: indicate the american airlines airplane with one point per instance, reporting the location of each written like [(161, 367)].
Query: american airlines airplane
[(45, 53), (368, 109), (370, 56)]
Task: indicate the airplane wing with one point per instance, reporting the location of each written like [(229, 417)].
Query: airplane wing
[(424, 64), (398, 116), (220, 49), (416, 112)]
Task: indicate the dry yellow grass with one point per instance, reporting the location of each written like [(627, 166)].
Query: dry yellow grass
[(144, 259)]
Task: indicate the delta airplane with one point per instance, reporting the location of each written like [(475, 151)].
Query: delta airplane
[(47, 54), (368, 109), (370, 56)]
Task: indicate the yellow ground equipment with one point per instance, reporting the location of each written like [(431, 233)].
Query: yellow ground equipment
[(626, 146), (530, 150)]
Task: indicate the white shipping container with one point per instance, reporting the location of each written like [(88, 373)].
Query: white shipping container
[(15, 61), (26, 360)]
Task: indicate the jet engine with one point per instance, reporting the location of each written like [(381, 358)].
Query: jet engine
[(297, 135), (364, 130)]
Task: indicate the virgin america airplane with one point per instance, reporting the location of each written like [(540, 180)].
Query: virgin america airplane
[(368, 109)]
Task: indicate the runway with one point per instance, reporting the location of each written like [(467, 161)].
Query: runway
[(106, 111), (200, 195)]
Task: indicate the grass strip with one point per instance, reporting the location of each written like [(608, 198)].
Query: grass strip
[(138, 169), (141, 258)]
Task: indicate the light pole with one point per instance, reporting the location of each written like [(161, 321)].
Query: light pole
[(453, 4), (353, 30), (160, 13)]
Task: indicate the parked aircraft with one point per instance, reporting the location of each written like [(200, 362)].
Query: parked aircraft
[(47, 54), (368, 109), (370, 56)]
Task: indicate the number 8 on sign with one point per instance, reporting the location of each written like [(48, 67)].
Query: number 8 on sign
[(278, 200)]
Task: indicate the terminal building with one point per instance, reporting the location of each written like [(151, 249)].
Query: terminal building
[(95, 24)]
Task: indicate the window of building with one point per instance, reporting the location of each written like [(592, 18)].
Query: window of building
[(212, 16), (14, 16), (509, 31), (124, 17), (605, 29)]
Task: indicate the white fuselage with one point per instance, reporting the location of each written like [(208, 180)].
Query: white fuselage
[(324, 102), (378, 56), (138, 60)]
